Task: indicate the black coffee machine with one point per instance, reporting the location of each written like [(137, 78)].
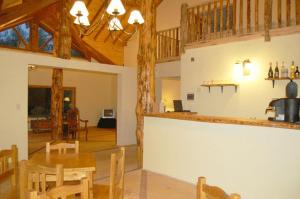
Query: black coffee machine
[(286, 109)]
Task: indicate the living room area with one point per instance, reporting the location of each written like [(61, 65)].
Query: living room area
[(92, 93)]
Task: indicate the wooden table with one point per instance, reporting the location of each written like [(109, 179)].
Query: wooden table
[(76, 166)]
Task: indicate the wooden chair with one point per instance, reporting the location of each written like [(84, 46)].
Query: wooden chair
[(205, 191), (65, 191), (74, 124), (62, 147), (9, 164), (115, 190), (38, 178)]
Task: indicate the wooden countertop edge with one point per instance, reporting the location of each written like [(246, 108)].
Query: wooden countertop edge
[(224, 120)]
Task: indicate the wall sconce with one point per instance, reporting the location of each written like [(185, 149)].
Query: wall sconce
[(246, 65), (67, 99)]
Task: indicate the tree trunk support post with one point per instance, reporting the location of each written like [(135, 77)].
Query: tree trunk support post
[(145, 71)]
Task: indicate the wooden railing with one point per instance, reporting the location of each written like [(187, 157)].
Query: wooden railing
[(216, 21), (168, 45), (225, 18)]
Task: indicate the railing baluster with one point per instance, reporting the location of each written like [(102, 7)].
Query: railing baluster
[(257, 16), (215, 18), (221, 18), (227, 16), (279, 21), (248, 16), (267, 15), (234, 17), (288, 12), (209, 19), (198, 23), (241, 28), (297, 12)]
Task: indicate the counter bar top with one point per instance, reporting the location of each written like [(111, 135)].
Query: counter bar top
[(223, 120)]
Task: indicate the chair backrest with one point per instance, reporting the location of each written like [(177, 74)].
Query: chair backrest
[(35, 177), (62, 147), (117, 170), (9, 164), (64, 191), (205, 191), (73, 118)]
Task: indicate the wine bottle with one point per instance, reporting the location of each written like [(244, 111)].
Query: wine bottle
[(276, 75), (292, 70), (297, 73), (270, 73)]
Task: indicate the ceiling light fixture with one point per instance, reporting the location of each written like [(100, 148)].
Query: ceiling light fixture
[(114, 9)]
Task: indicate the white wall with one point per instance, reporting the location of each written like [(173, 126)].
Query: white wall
[(95, 91), (14, 88), (256, 162), (170, 90), (217, 63)]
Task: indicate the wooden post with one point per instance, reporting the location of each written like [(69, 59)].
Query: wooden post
[(241, 28), (200, 183), (56, 102), (34, 35), (227, 17), (268, 8), (145, 71), (288, 12), (184, 26), (297, 12), (215, 18), (279, 13), (256, 15), (221, 18), (248, 16), (64, 40), (234, 17)]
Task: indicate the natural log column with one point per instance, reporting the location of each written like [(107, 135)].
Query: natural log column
[(62, 43), (65, 40), (298, 12), (34, 35), (145, 71), (57, 102)]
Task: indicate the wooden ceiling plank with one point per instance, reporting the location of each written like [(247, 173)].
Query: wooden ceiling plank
[(11, 15), (88, 3), (1, 3)]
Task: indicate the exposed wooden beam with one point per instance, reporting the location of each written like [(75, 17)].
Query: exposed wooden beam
[(97, 14), (1, 3), (24, 11), (34, 35), (145, 70), (88, 49)]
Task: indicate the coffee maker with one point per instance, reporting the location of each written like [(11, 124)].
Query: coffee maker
[(286, 109)]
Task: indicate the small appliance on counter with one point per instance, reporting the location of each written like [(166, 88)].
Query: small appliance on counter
[(286, 109)]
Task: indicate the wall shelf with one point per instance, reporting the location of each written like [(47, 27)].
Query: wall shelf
[(280, 79), (221, 86)]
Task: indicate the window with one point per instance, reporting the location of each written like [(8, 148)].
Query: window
[(76, 53), (17, 37), (45, 40)]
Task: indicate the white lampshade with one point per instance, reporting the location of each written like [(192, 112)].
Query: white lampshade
[(136, 17), (115, 24), (79, 8), (115, 7), (83, 20)]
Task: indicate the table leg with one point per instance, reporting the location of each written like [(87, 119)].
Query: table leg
[(90, 179)]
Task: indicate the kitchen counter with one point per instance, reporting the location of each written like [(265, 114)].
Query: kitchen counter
[(223, 120)]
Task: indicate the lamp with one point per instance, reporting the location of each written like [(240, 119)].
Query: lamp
[(247, 65), (67, 99), (114, 9)]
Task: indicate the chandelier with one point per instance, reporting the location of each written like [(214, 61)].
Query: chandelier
[(114, 9)]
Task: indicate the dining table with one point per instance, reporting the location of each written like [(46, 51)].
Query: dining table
[(76, 166)]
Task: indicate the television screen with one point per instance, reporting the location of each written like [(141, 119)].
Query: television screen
[(108, 113)]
